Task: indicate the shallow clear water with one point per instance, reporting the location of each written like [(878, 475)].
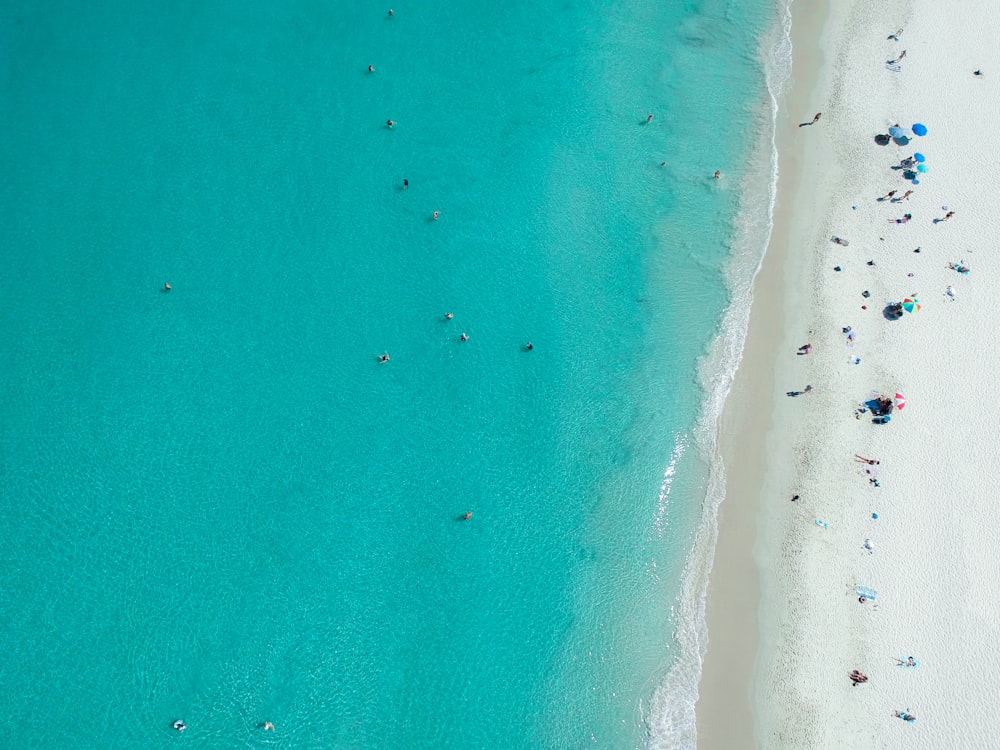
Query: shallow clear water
[(220, 506)]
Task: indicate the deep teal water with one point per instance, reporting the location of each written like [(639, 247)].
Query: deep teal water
[(219, 506)]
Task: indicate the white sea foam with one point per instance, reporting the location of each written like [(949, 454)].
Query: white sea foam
[(671, 717)]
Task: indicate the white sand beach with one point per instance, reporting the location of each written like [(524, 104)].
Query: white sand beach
[(935, 544)]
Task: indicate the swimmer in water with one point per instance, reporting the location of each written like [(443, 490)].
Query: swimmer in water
[(464, 337), (406, 183), (649, 119), (390, 124), (530, 346), (467, 516), (179, 725), (268, 726), (166, 287), (383, 358), (371, 68), (717, 174), (390, 13), (436, 215), (448, 316)]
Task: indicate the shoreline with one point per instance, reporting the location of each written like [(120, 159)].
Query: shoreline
[(747, 418), (924, 530)]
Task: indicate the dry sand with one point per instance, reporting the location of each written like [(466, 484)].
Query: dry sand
[(937, 537)]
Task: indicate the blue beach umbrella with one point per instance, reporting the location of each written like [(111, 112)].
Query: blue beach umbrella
[(916, 181), (919, 129), (920, 157), (897, 132), (922, 167)]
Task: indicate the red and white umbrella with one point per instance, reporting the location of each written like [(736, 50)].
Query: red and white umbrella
[(900, 401)]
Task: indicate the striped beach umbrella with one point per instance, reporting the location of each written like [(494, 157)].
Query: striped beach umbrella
[(911, 304), (900, 401)]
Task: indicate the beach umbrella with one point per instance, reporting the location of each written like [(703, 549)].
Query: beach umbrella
[(919, 157), (916, 181), (922, 168), (919, 129), (897, 132), (911, 305), (900, 401)]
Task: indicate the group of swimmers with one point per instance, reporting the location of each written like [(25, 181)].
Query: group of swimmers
[(180, 726), (384, 357)]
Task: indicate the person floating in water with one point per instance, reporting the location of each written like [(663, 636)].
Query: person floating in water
[(390, 124), (371, 68), (436, 215), (649, 119), (717, 175), (383, 358), (464, 337), (467, 516), (406, 183), (179, 725), (448, 316), (166, 287), (268, 726), (529, 346)]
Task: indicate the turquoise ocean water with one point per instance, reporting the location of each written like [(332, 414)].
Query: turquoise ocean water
[(219, 506)]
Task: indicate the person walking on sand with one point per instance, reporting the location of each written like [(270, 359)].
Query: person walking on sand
[(895, 37), (816, 117), (906, 196), (888, 195), (948, 216)]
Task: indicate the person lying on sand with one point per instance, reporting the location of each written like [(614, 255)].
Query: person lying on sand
[(864, 460)]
